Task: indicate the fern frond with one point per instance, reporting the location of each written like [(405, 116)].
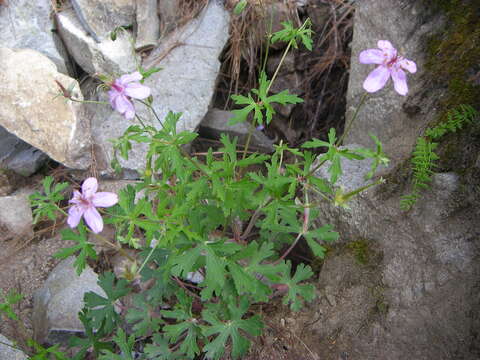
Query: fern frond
[(424, 156), (456, 119), (423, 162)]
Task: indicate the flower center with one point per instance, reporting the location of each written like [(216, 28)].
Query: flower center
[(85, 202), (117, 87)]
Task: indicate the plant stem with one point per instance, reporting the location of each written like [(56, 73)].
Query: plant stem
[(88, 101), (146, 259), (153, 111), (249, 138), (116, 247), (279, 65), (189, 158), (349, 126)]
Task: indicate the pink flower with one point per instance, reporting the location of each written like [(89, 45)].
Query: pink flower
[(85, 204), (391, 64), (124, 89)]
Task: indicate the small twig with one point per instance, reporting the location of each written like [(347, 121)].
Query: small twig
[(253, 219), (182, 285)]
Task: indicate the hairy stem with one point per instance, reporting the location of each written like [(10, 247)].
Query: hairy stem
[(349, 126)]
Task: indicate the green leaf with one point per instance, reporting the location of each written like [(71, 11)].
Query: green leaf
[(159, 350), (45, 206), (290, 34), (83, 247), (91, 340), (186, 325), (9, 300), (125, 345), (240, 7), (102, 309), (143, 317), (146, 73), (297, 291), (230, 331)]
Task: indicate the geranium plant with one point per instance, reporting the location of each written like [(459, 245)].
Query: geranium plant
[(211, 235)]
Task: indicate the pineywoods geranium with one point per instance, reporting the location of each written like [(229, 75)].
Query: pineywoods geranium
[(123, 89), (390, 64), (85, 204)]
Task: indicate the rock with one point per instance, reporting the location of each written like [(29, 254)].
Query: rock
[(396, 120), (288, 65), (429, 268), (320, 13), (168, 11), (30, 110), (57, 303), (215, 123), (26, 160), (186, 83), (103, 16), (351, 292), (19, 156), (27, 24), (9, 352), (15, 217), (148, 24), (105, 57)]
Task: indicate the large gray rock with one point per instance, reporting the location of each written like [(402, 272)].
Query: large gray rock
[(429, 268), (186, 83), (103, 16), (27, 24), (396, 120), (15, 218), (30, 109), (105, 57), (215, 123), (57, 303), (19, 156), (10, 352), (148, 24)]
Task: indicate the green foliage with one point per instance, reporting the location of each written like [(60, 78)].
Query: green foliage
[(294, 35), (241, 4), (102, 313), (296, 290), (230, 330), (83, 248), (42, 353), (424, 156), (9, 300), (261, 106), (46, 206), (230, 219), (456, 119)]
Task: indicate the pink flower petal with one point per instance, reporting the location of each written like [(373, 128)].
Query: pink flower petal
[(112, 95), (74, 215), (125, 79), (408, 65), (129, 113), (371, 56), (104, 199), (400, 81), (89, 187), (121, 103), (385, 45), (137, 91), (93, 219), (76, 197), (376, 79)]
